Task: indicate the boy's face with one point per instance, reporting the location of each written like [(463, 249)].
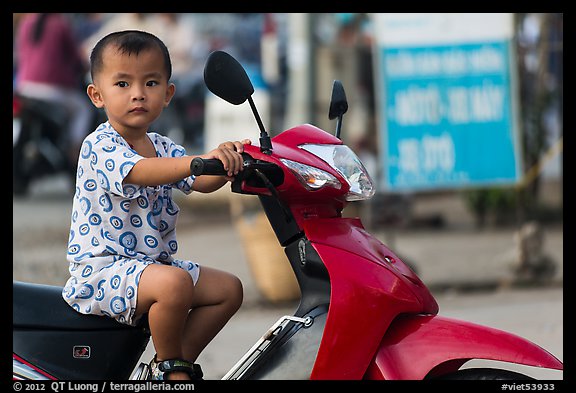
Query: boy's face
[(132, 89)]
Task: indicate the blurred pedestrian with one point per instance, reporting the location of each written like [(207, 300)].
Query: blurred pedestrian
[(50, 67), (188, 55), (179, 34), (116, 22), (87, 23)]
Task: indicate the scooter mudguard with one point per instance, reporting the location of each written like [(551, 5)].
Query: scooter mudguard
[(417, 346)]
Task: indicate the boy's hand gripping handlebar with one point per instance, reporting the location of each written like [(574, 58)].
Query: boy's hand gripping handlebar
[(213, 166), (207, 166)]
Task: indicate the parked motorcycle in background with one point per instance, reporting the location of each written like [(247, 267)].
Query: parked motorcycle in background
[(39, 142)]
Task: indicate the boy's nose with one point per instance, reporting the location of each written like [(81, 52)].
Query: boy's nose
[(138, 95)]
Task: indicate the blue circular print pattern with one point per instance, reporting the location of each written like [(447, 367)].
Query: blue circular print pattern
[(116, 222), (128, 240), (118, 305), (84, 229), (115, 282), (106, 203)]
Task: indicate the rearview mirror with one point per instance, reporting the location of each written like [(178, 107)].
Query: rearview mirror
[(338, 102), (225, 77)]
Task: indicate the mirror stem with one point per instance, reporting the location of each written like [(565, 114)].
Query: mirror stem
[(338, 126), (265, 142)]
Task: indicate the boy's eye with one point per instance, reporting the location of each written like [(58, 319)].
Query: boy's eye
[(151, 83), (122, 84)]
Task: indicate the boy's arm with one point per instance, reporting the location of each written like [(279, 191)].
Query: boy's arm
[(166, 170)]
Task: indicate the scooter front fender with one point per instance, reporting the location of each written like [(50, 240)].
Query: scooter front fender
[(416, 346)]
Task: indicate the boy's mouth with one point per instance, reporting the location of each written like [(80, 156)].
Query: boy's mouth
[(138, 109)]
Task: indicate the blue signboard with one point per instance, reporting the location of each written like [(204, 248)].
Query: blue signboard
[(447, 116)]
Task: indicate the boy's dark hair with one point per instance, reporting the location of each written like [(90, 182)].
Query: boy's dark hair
[(129, 42)]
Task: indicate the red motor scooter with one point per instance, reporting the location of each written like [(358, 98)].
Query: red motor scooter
[(363, 313)]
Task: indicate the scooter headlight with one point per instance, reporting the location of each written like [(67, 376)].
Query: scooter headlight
[(347, 163), (312, 178)]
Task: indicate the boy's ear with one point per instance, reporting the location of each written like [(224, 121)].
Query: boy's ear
[(95, 96), (170, 90)]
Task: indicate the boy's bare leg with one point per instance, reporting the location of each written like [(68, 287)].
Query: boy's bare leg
[(217, 297), (166, 293)]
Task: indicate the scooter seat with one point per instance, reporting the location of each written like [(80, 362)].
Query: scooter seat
[(40, 306)]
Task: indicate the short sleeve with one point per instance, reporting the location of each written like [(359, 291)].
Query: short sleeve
[(168, 148), (110, 161)]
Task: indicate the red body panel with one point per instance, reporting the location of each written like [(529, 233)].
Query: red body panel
[(416, 344), (368, 293)]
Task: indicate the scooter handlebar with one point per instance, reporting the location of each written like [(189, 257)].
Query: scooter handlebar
[(207, 166), (213, 166)]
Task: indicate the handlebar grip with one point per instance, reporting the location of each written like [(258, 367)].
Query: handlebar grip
[(207, 166)]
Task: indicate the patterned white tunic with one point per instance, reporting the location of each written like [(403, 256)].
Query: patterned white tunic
[(117, 230)]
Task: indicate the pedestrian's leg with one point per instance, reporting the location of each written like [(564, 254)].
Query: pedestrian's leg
[(218, 295)]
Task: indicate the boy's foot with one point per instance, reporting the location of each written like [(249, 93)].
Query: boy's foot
[(174, 369)]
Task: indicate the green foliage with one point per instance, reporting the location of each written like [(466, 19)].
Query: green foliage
[(498, 203)]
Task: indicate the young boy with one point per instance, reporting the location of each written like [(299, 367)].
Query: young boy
[(122, 234)]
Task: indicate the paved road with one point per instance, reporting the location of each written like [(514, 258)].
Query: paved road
[(444, 259)]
